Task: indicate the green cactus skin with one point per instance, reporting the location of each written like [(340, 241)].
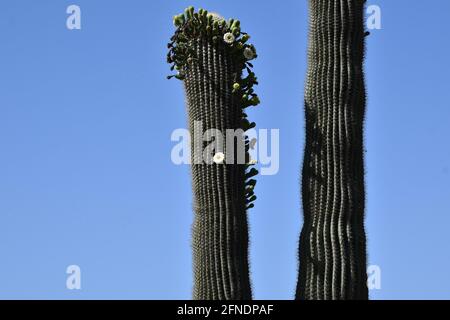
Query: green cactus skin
[(222, 192), (220, 232), (333, 242)]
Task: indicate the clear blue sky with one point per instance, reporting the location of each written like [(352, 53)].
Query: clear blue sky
[(85, 170)]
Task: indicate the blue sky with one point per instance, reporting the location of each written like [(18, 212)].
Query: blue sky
[(85, 171)]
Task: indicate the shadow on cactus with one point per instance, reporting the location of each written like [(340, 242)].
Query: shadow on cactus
[(332, 246), (213, 59)]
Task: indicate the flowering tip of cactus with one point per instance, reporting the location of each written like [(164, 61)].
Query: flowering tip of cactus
[(212, 27)]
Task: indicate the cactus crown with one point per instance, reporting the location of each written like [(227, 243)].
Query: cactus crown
[(191, 26), (202, 24)]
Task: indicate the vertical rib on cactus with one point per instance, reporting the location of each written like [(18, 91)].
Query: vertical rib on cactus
[(333, 241), (220, 226), (210, 69)]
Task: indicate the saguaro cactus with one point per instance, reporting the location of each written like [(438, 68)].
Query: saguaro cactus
[(333, 242), (211, 56)]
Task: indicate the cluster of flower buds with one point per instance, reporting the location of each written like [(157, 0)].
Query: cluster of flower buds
[(203, 24)]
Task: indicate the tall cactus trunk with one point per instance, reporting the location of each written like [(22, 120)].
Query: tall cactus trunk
[(333, 241), (211, 57), (220, 230)]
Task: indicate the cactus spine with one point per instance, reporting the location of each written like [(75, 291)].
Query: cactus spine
[(333, 242), (210, 56)]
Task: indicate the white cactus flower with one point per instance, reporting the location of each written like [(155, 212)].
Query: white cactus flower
[(229, 38), (249, 54), (219, 158)]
